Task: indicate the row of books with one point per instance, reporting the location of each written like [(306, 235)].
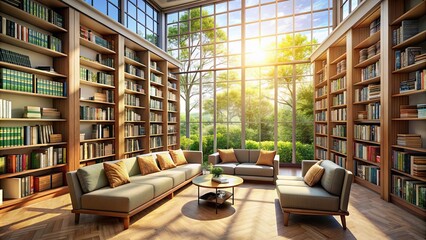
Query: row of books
[(319, 92), (172, 106), (99, 77), (131, 54), (154, 65), (156, 129), (321, 141), (408, 29), (16, 80), (156, 79), (338, 159), (23, 33), (412, 191), (172, 75), (171, 129), (321, 116), (50, 87), (339, 114), (367, 132), (5, 108), (339, 99), (413, 111), (339, 146), (130, 85), (375, 26), (341, 66), (107, 61), (154, 91), (172, 85), (155, 117), (102, 131), (104, 96), (370, 71), (369, 52), (321, 128), (155, 104), (409, 163), (14, 58), (372, 91), (372, 113), (338, 84), (41, 112), (368, 173), (96, 149), (321, 104), (25, 135), (409, 140), (133, 145), (133, 130), (406, 57), (367, 152), (156, 142), (131, 115), (321, 77), (339, 130), (90, 36), (416, 81), (128, 68), (321, 153), (132, 100), (172, 139), (39, 10), (96, 113), (172, 117), (171, 96)]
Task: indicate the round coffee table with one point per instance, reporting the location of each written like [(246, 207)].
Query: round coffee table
[(218, 197)]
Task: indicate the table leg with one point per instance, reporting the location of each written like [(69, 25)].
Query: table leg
[(233, 195), (216, 200), (198, 195)]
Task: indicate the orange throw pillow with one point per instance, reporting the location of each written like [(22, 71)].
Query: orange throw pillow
[(116, 173), (165, 161), (314, 174), (266, 158), (178, 157), (147, 164), (227, 155)]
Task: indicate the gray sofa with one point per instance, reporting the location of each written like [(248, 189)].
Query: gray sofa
[(246, 167), (330, 196), (94, 195)]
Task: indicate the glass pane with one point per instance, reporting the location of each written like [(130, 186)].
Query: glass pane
[(221, 20), (235, 17), (234, 61), (207, 37), (183, 27), (345, 10), (207, 23), (285, 8), (252, 30), (234, 33), (252, 45), (252, 14), (195, 25), (234, 47), (207, 10), (320, 35), (285, 25), (195, 13), (221, 7), (150, 25), (302, 6), (268, 27), (235, 4), (268, 43), (221, 49), (268, 11), (101, 5), (149, 11), (183, 15), (354, 4), (131, 10), (302, 22), (319, 4), (251, 2), (221, 34), (252, 73), (113, 12), (320, 19), (131, 24), (172, 29)]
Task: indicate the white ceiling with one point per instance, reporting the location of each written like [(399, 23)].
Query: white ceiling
[(173, 3)]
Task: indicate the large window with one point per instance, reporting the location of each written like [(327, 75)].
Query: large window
[(246, 79), (107, 7), (347, 6)]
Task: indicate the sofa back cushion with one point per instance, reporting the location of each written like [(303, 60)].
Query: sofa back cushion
[(227, 156), (254, 155), (147, 164), (116, 173), (132, 166), (332, 179), (242, 155), (178, 157), (92, 177), (165, 161)]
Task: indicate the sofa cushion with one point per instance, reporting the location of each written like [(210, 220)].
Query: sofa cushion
[(314, 174), (266, 158), (178, 157), (228, 168), (132, 166), (165, 161), (147, 164), (116, 173), (282, 177), (227, 156), (92, 177), (191, 169), (120, 199), (242, 155), (312, 198), (253, 155), (178, 177), (251, 169), (332, 179), (161, 184), (288, 182)]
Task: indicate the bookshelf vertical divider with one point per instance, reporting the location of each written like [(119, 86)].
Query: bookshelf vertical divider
[(119, 96)]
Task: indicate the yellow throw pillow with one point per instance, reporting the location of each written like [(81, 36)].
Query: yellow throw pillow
[(227, 155), (314, 174), (147, 164), (266, 158), (116, 173), (165, 161), (178, 157)]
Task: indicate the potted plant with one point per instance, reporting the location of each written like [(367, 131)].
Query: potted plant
[(216, 171), (207, 167)]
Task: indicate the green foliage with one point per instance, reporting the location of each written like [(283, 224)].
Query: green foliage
[(185, 142), (216, 171), (250, 144)]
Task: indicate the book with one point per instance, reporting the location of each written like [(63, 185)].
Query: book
[(220, 180), (11, 188)]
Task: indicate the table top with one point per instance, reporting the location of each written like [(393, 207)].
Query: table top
[(206, 181)]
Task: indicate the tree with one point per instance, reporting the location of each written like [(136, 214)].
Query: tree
[(195, 54)]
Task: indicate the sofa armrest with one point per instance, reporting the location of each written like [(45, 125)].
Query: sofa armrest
[(346, 190), (74, 188), (276, 166), (193, 156), (214, 158), (306, 164)]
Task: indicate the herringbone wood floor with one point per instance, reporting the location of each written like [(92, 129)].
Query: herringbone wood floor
[(255, 215)]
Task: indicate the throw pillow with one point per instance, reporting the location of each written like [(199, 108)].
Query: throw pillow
[(116, 173), (266, 158), (165, 161), (314, 174), (147, 164), (227, 155), (178, 157)]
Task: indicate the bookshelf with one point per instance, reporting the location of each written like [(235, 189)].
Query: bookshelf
[(39, 102), (173, 107), (321, 99)]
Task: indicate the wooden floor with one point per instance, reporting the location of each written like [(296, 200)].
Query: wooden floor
[(255, 215)]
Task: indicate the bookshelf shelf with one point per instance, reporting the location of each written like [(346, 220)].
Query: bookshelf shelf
[(96, 158), (422, 150), (367, 121), (133, 92), (368, 101), (94, 84), (97, 140), (133, 77), (31, 94), (338, 121), (369, 81), (131, 106), (320, 71), (321, 97), (156, 71), (156, 84), (172, 89), (152, 148), (408, 175), (133, 62), (369, 41), (338, 106), (30, 46), (156, 97), (319, 146), (409, 93), (95, 65), (339, 137), (96, 102), (320, 109), (415, 12), (31, 120), (338, 59), (410, 207), (31, 70), (134, 121), (171, 100), (139, 136), (411, 68), (97, 121), (321, 84), (156, 135), (420, 37), (157, 110), (366, 141), (96, 47), (369, 61), (8, 175), (367, 184), (10, 202), (321, 122), (338, 91), (366, 161), (321, 134), (32, 146), (408, 119), (339, 75), (171, 78), (135, 151), (337, 152)]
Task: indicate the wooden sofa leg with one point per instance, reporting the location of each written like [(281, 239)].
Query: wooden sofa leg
[(171, 195), (77, 218), (343, 219), (126, 222), (286, 217)]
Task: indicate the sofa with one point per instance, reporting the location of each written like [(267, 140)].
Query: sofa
[(330, 196), (93, 195), (246, 167)]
